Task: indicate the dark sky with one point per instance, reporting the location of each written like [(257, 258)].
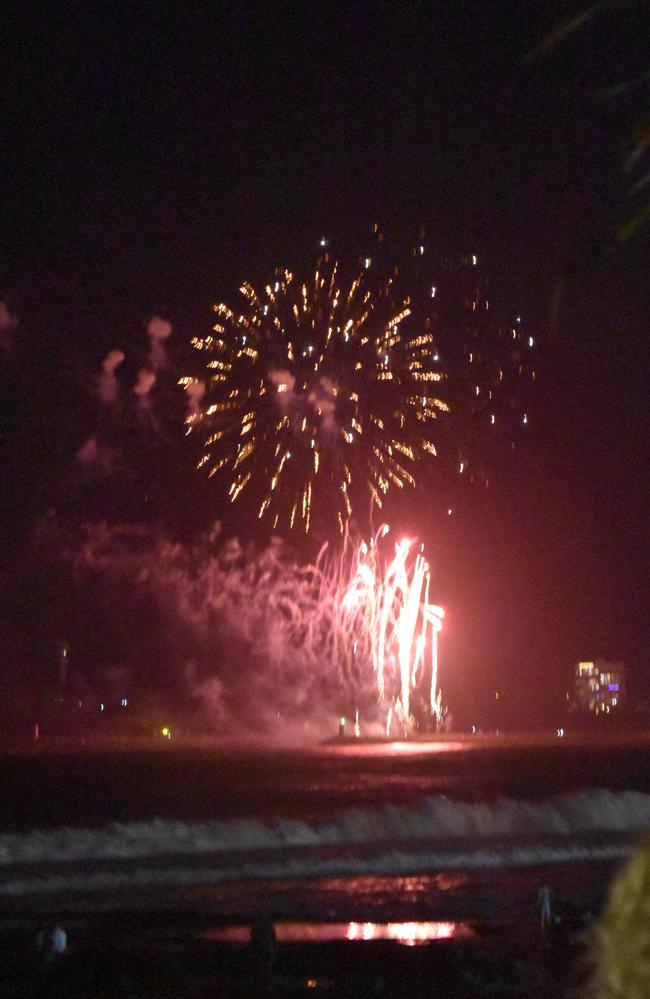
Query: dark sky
[(152, 155)]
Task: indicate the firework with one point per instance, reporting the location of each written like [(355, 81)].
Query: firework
[(324, 393), (354, 630), (381, 624)]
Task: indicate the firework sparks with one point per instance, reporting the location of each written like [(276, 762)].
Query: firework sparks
[(325, 393), (383, 615)]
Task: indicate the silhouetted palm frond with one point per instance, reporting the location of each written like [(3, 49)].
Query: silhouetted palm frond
[(635, 161)]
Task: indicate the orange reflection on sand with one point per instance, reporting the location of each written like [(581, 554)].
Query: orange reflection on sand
[(410, 934)]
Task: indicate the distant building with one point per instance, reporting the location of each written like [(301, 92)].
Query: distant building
[(599, 686)]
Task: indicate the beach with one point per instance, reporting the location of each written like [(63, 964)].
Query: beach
[(410, 870)]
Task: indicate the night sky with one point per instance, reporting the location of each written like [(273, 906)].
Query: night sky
[(153, 156)]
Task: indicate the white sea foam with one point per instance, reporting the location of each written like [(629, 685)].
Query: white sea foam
[(287, 867), (439, 834)]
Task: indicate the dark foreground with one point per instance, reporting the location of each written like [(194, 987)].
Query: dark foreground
[(197, 943), (505, 961)]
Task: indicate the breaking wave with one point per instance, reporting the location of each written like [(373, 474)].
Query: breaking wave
[(439, 834)]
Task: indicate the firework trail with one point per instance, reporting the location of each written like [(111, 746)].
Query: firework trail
[(381, 623), (325, 392)]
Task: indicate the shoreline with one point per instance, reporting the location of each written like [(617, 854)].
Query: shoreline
[(313, 744)]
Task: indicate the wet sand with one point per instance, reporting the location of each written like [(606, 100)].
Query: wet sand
[(506, 961), (440, 936)]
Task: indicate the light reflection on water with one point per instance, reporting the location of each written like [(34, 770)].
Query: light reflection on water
[(411, 934), (400, 748)]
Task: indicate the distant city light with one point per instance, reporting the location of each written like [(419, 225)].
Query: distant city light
[(599, 685)]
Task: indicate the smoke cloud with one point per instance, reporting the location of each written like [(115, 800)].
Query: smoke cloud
[(142, 388), (284, 383), (195, 389), (158, 330), (89, 452), (96, 459), (108, 386), (246, 634)]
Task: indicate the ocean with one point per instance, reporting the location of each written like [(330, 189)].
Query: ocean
[(359, 840)]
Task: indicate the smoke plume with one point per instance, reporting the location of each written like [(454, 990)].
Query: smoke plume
[(108, 386), (158, 330)]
